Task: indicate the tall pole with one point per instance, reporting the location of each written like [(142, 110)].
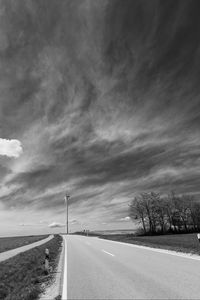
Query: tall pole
[(67, 198)]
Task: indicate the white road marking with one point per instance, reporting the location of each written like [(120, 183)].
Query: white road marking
[(107, 252), (64, 290), (163, 251)]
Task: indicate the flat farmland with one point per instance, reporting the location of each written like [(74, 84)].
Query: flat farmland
[(187, 243), (8, 243)]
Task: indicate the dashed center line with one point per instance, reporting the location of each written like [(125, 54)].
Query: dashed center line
[(108, 252)]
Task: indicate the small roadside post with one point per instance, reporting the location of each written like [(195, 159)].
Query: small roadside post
[(46, 261), (198, 236)]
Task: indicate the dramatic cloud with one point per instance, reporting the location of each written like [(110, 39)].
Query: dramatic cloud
[(10, 148), (125, 219), (54, 225), (104, 98)]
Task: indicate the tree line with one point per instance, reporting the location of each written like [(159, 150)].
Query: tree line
[(162, 214)]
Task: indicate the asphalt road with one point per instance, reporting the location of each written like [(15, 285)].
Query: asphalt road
[(101, 269)]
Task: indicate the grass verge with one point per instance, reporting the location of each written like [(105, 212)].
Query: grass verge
[(22, 276), (8, 243), (187, 243)]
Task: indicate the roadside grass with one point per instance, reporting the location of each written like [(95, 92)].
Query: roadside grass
[(187, 243), (22, 277), (8, 243)]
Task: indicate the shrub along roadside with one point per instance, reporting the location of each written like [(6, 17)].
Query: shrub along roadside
[(21, 277)]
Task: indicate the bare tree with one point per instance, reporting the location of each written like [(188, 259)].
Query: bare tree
[(194, 209), (146, 200), (159, 214), (163, 214), (175, 211), (137, 211), (168, 213)]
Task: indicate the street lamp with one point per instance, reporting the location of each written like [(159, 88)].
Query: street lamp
[(66, 200)]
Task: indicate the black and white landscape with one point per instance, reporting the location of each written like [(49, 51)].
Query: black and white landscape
[(99, 149), (100, 99)]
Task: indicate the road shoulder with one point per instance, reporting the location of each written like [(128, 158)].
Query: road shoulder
[(54, 288), (164, 251)]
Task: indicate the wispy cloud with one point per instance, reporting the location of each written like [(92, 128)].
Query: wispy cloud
[(103, 97), (54, 225), (125, 219), (30, 224)]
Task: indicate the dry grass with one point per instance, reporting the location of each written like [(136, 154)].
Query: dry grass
[(187, 243), (22, 276), (8, 243)]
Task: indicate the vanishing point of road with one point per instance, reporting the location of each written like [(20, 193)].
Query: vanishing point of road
[(102, 269)]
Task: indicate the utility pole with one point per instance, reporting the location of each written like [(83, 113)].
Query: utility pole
[(66, 200)]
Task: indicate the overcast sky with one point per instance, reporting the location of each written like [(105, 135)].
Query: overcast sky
[(100, 99)]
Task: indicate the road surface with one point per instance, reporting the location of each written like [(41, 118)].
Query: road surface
[(10, 253), (102, 269)]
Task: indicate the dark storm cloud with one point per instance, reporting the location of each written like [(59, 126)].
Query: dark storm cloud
[(3, 170), (103, 95)]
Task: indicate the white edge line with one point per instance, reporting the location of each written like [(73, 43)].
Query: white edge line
[(170, 252), (64, 290), (108, 252)]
